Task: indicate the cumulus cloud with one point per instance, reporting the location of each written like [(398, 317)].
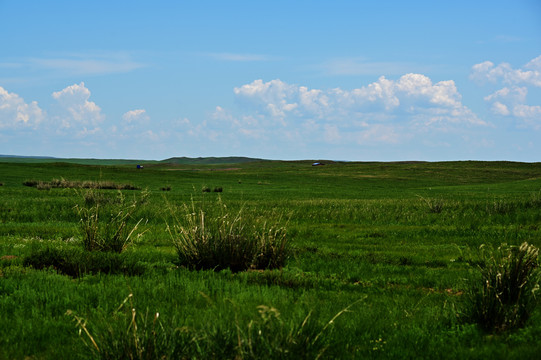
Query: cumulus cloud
[(15, 112), (75, 109), (135, 116), (413, 96), (511, 100), (383, 112), (530, 74)]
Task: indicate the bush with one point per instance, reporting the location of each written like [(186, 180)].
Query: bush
[(107, 228), (505, 296), (222, 240), (30, 183), (77, 262)]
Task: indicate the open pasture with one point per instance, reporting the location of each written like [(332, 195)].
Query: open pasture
[(381, 258)]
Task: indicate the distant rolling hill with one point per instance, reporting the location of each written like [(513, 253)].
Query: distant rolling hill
[(209, 160), (173, 160)]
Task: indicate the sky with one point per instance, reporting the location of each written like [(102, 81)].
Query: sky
[(338, 80)]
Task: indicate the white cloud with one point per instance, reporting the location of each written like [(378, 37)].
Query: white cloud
[(75, 109), (510, 101), (391, 112), (412, 94), (15, 112), (534, 64), (135, 116), (504, 72), (500, 109), (526, 111), (135, 120), (514, 94)]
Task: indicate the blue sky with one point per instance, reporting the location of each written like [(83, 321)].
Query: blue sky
[(342, 80)]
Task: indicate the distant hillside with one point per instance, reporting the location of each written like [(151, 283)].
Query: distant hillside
[(173, 160), (209, 160)]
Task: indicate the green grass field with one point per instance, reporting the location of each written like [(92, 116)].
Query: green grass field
[(380, 262)]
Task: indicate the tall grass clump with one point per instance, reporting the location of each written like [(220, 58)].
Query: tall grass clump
[(128, 335), (108, 227), (69, 184), (505, 296), (435, 206), (220, 239), (132, 334)]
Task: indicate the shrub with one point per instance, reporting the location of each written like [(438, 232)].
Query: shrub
[(107, 228), (505, 296), (30, 183), (220, 240), (76, 262)]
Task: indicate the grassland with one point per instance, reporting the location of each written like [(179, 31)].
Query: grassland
[(381, 261)]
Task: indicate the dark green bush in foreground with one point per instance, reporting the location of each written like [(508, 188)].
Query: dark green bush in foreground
[(222, 239), (505, 297), (77, 262)]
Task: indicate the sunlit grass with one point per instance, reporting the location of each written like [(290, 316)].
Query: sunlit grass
[(393, 235)]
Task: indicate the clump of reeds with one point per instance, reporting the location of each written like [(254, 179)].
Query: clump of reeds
[(108, 227), (219, 238), (131, 334), (505, 296), (87, 184), (435, 206), (43, 186)]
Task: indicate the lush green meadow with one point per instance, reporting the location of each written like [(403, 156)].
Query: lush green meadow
[(381, 258)]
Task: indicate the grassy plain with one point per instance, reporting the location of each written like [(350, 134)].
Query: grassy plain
[(389, 243)]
